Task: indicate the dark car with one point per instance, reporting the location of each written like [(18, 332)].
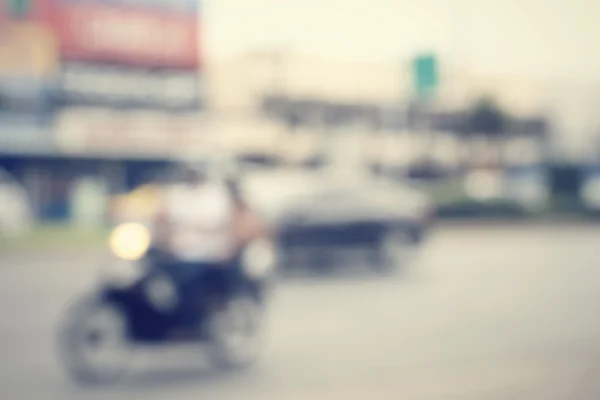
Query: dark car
[(321, 218)]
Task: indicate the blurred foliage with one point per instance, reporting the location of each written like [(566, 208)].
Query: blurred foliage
[(447, 191), (487, 119), (452, 202), (566, 204), (54, 236)]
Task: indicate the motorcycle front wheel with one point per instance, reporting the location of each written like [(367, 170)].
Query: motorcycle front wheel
[(236, 333), (93, 344)]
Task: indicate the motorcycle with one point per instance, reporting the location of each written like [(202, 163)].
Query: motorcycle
[(138, 302)]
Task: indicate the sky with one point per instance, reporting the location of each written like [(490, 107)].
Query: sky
[(548, 41)]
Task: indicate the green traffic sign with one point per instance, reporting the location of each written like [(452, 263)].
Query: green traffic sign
[(425, 71), (18, 8)]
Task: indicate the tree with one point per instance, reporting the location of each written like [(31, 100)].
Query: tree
[(487, 120)]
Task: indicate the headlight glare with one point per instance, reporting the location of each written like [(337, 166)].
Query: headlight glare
[(130, 241)]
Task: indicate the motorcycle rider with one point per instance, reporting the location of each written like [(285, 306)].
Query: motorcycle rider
[(201, 222)]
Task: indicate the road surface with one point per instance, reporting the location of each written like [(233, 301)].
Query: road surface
[(485, 313)]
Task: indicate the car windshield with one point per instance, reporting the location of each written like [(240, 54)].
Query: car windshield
[(273, 189)]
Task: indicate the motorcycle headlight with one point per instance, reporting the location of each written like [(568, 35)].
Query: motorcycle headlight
[(259, 259), (130, 241)]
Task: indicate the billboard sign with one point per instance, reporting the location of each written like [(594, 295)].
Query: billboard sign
[(12, 10), (28, 49), (113, 86), (103, 132), (28, 66), (17, 8), (183, 6), (425, 75), (102, 32)]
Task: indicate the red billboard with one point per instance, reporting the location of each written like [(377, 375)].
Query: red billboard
[(25, 10), (109, 33)]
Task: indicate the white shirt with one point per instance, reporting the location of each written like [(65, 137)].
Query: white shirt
[(201, 218)]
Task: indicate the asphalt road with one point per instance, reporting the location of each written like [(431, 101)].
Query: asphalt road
[(485, 313)]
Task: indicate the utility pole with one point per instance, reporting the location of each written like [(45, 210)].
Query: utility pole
[(275, 59)]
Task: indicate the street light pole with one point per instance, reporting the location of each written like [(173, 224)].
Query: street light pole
[(275, 85)]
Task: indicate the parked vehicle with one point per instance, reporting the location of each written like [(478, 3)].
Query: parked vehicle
[(319, 217)]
